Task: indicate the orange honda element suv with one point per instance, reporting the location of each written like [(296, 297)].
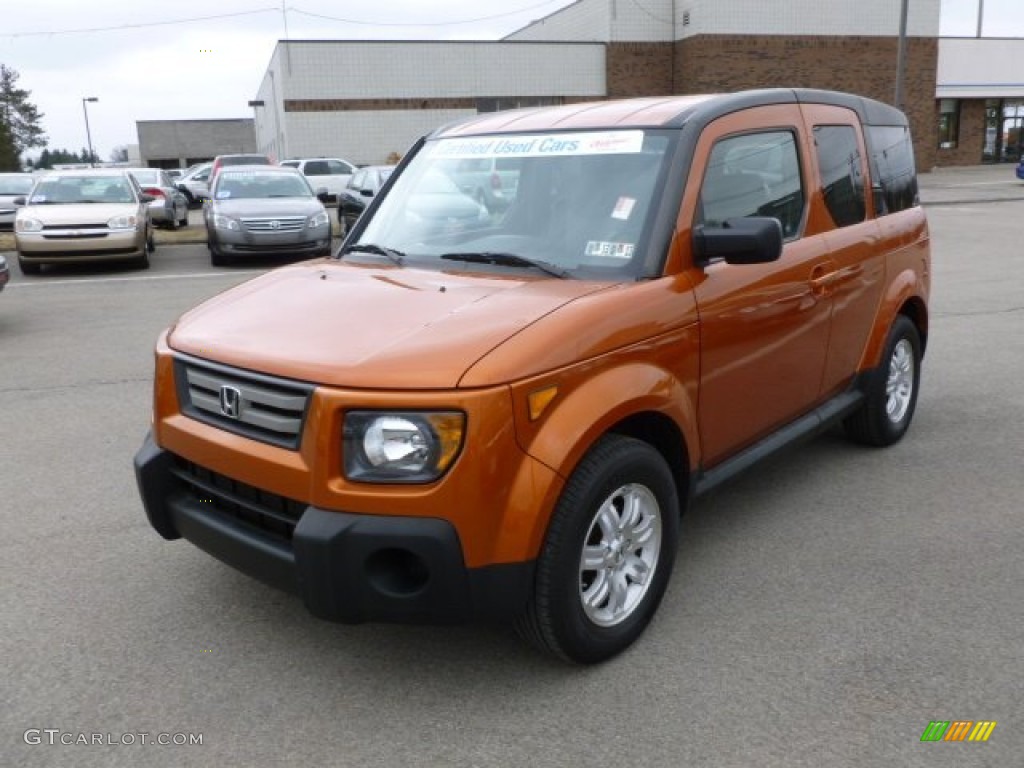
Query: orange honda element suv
[(472, 413)]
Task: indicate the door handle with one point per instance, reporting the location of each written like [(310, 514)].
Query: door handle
[(823, 277)]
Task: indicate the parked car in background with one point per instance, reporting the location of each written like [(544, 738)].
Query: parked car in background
[(195, 184), (220, 161), (170, 206), (5, 272), (360, 190), (1020, 169), (12, 185), (331, 173), (99, 214), (491, 181), (439, 206), (264, 210)]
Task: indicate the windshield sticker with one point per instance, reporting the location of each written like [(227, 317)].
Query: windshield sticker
[(610, 250), (37, 199), (552, 145), (623, 207), (223, 194)]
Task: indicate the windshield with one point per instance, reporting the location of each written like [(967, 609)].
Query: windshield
[(82, 189), (15, 185), (246, 185), (147, 178), (575, 203)]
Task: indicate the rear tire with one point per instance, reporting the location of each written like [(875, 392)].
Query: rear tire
[(607, 556), (891, 390)]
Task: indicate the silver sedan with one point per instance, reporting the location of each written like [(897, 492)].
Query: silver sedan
[(170, 207)]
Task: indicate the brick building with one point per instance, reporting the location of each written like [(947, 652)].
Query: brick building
[(363, 100)]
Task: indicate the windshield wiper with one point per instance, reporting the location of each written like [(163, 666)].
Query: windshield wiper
[(506, 260), (396, 256)]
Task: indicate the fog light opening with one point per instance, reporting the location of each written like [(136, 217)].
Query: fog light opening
[(397, 572)]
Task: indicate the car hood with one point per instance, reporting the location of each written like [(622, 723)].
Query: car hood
[(350, 325), (74, 214), (273, 206)]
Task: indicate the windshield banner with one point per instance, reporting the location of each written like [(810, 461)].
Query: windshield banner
[(543, 145)]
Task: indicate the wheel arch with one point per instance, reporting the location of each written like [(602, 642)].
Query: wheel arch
[(642, 401), (663, 434), (916, 311), (905, 296)]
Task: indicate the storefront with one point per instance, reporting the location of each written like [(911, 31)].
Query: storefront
[(980, 104)]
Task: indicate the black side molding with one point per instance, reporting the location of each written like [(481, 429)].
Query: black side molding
[(804, 428)]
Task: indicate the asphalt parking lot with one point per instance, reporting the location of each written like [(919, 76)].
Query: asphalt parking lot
[(825, 607)]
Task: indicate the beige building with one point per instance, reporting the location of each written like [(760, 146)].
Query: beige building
[(363, 100)]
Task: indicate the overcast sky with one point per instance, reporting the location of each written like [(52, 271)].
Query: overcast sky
[(210, 67)]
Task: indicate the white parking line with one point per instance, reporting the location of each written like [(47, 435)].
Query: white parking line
[(137, 279)]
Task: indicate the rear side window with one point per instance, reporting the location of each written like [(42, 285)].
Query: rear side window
[(842, 180), (756, 174), (337, 167), (316, 168), (892, 160)]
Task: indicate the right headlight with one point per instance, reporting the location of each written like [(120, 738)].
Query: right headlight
[(26, 224), (220, 221), (401, 446)]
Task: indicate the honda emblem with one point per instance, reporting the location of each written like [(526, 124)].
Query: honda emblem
[(231, 402)]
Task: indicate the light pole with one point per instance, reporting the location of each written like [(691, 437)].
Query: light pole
[(901, 55), (88, 135)]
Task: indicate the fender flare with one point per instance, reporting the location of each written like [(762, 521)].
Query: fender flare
[(572, 426), (904, 290)]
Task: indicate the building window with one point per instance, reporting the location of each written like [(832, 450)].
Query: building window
[(949, 123)]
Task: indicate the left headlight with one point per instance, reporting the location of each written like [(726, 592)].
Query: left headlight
[(26, 224), (122, 222), (401, 446), (318, 220)]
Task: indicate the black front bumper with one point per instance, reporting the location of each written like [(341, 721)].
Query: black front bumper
[(346, 567)]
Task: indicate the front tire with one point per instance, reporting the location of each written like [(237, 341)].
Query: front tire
[(891, 391), (28, 268), (217, 257), (607, 556)]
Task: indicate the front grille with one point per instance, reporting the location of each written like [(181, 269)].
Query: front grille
[(260, 407), (276, 247), (270, 224), (102, 227), (267, 512)]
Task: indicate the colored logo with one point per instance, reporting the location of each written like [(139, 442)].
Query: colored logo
[(958, 730)]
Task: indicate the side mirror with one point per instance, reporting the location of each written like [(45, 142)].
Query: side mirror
[(19, 200), (322, 194), (366, 192), (753, 240), (146, 198)]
